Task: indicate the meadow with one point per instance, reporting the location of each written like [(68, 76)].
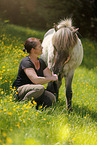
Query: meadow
[(21, 123)]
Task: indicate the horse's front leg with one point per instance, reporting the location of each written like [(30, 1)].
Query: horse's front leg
[(54, 86), (68, 86)]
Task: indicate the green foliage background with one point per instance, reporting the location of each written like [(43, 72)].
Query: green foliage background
[(41, 14)]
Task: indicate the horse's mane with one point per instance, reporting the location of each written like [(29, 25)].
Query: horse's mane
[(65, 36)]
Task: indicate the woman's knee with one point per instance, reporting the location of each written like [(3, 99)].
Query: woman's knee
[(51, 96), (40, 89), (35, 88), (31, 90)]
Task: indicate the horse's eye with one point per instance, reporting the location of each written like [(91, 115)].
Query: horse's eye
[(55, 48)]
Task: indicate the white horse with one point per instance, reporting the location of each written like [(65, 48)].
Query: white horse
[(63, 53)]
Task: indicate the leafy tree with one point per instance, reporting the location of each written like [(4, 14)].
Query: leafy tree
[(41, 14), (81, 12)]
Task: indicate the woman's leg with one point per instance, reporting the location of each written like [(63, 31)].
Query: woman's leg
[(39, 94), (49, 98), (46, 99), (26, 92)]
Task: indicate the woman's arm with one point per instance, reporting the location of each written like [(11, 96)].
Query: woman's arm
[(30, 72), (48, 73)]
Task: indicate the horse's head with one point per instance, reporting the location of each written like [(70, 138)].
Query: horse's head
[(63, 42), (60, 57)]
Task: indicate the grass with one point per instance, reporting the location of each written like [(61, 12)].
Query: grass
[(21, 124)]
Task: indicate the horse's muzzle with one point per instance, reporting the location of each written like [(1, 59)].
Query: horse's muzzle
[(55, 70)]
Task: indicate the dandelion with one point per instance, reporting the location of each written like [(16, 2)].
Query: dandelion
[(4, 134), (41, 106), (0, 78), (2, 92), (4, 110), (34, 103), (9, 141), (9, 113), (1, 101), (5, 100), (18, 125), (24, 105), (73, 139), (11, 129), (14, 109), (3, 66), (17, 107), (24, 121)]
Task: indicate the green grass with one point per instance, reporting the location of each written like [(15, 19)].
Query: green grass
[(21, 124)]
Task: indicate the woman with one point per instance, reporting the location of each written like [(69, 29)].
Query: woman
[(32, 74)]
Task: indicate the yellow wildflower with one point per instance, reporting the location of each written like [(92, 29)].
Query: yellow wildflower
[(0, 78), (34, 103), (2, 92), (4, 134), (4, 110), (9, 140), (9, 113), (3, 66)]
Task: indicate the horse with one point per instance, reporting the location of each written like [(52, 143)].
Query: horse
[(62, 53)]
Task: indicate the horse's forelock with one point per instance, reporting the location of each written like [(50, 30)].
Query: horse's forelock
[(64, 39), (65, 23)]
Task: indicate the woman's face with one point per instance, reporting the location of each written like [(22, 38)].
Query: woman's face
[(38, 48)]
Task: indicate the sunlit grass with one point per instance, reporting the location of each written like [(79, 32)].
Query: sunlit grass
[(21, 124)]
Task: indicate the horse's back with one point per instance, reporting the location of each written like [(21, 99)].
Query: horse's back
[(48, 54), (50, 31)]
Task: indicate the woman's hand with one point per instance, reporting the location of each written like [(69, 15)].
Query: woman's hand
[(48, 73), (54, 77)]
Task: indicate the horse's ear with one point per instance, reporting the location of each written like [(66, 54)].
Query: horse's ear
[(74, 31), (55, 27)]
